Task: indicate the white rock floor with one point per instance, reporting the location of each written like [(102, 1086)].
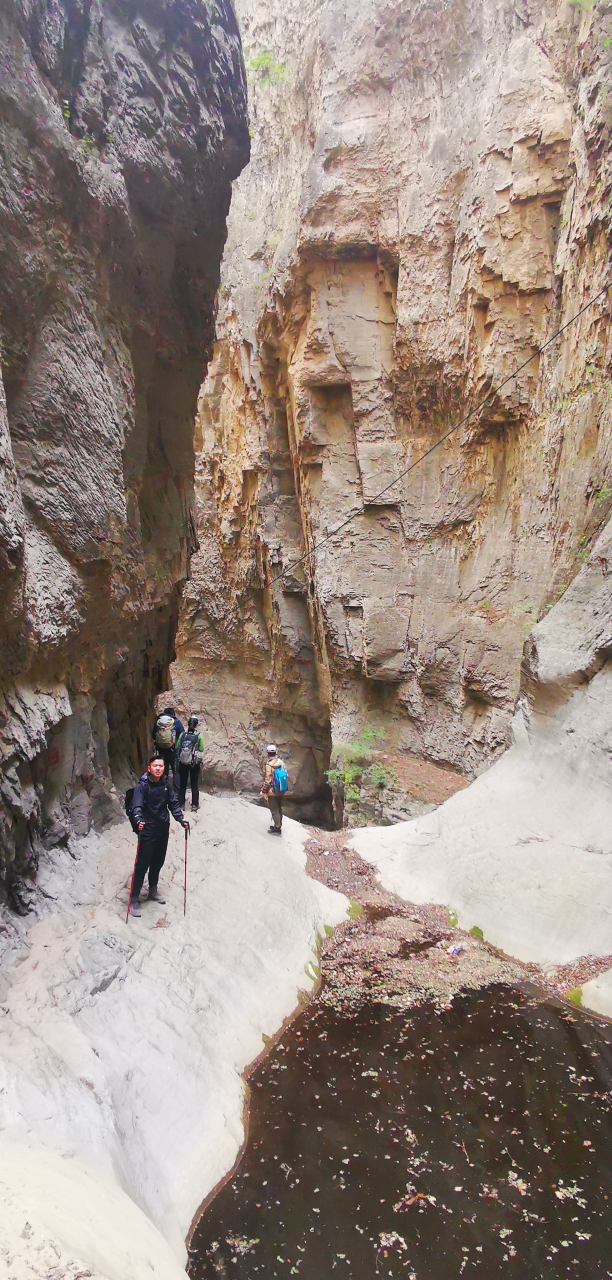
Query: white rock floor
[(122, 1045), (525, 852)]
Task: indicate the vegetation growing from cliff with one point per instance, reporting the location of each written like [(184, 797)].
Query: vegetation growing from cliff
[(356, 765), (267, 69)]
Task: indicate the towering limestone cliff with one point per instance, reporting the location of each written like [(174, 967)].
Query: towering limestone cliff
[(428, 201), (121, 129)]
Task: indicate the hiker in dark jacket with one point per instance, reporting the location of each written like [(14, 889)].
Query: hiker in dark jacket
[(189, 752), (164, 735), (154, 800)]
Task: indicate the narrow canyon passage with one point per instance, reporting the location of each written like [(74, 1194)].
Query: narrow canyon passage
[(306, 434)]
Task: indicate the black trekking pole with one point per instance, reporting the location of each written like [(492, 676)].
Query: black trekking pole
[(185, 876), (127, 914)]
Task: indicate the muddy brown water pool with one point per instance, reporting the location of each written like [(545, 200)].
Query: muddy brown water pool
[(428, 1145)]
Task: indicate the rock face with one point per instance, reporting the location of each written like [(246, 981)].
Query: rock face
[(525, 853), (120, 133), (427, 203)]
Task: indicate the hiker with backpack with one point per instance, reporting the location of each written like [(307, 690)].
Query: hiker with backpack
[(152, 802), (189, 752), (165, 732), (274, 787)]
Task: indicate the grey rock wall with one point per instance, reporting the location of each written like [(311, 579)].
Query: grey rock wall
[(121, 129)]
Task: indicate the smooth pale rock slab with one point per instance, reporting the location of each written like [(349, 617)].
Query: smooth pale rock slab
[(59, 1219), (525, 852), (123, 1045), (597, 994)]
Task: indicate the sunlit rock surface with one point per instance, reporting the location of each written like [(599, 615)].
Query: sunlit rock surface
[(426, 204), (525, 852)]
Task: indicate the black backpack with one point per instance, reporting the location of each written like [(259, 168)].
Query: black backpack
[(129, 809), (188, 746)]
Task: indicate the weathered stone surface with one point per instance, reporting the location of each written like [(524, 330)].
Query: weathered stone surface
[(123, 1045), (525, 852), (120, 133), (427, 203)]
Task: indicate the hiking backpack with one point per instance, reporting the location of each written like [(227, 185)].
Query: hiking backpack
[(165, 732), (280, 781), (188, 747), (129, 809)]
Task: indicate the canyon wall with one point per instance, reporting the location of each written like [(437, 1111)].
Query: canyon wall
[(524, 854), (428, 201), (120, 133)]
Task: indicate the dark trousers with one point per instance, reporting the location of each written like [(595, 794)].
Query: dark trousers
[(191, 772), (151, 855), (167, 755), (275, 805)]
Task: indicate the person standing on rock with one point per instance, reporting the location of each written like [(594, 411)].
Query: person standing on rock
[(166, 729), (154, 800), (274, 787), (189, 752)]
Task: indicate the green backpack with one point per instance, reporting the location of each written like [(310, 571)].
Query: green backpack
[(165, 732)]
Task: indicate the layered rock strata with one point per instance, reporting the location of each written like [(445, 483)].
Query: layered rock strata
[(427, 203), (120, 133)]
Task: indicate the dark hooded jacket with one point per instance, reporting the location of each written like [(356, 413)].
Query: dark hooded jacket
[(154, 802)]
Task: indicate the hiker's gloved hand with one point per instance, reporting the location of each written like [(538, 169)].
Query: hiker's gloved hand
[(186, 825), (140, 826)]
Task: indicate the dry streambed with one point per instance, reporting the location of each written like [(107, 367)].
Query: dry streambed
[(401, 953)]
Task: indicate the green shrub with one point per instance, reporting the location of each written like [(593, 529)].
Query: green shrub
[(89, 146), (268, 70), (575, 995), (356, 765)]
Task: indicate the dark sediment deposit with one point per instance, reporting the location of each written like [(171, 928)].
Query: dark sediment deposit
[(430, 1146), (427, 1116)]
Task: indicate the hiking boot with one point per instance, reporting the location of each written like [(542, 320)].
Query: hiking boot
[(275, 831), (155, 896), (135, 907)]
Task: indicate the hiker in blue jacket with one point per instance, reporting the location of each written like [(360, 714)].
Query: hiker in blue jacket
[(154, 800)]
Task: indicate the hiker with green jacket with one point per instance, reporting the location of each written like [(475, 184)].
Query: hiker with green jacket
[(189, 751)]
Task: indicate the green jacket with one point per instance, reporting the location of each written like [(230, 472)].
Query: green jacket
[(199, 744)]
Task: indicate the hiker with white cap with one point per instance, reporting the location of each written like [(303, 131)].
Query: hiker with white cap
[(274, 787)]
